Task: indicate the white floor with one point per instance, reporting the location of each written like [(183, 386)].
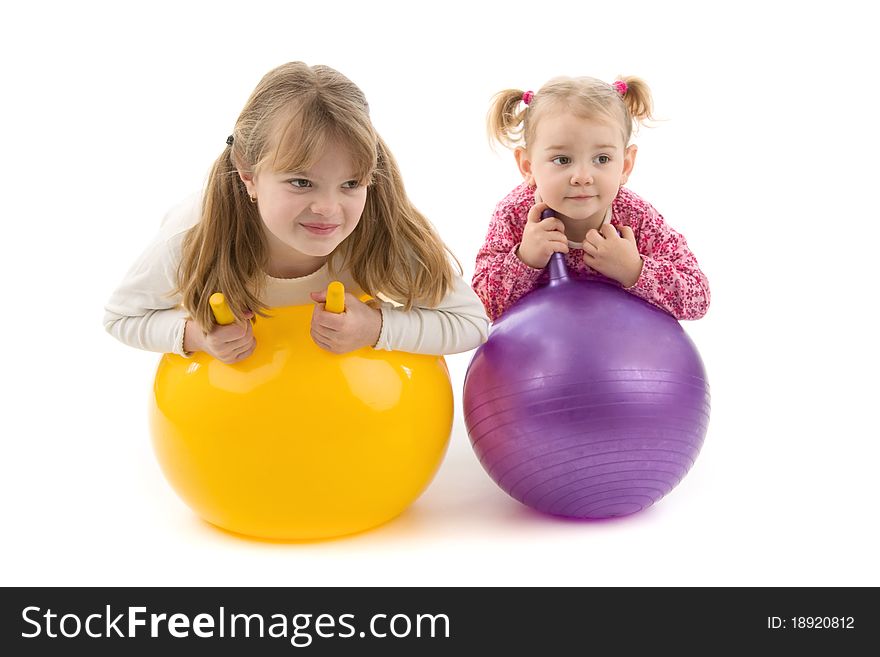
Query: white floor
[(763, 505)]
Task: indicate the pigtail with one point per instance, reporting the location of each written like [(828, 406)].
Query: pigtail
[(225, 252), (395, 250), (637, 99), (506, 118)]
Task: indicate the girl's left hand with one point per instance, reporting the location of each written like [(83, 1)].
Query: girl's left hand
[(614, 255), (357, 326)]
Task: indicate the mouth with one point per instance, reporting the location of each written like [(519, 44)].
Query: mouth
[(320, 229), (580, 198)]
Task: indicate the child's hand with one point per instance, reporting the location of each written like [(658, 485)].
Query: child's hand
[(541, 237), (357, 326), (614, 255), (230, 344)]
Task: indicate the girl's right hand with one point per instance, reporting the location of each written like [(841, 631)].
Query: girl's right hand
[(541, 238), (230, 344)]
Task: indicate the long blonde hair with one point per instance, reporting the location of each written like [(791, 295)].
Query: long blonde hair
[(293, 113), (512, 122)]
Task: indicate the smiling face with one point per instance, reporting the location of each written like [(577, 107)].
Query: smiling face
[(307, 214), (577, 166)]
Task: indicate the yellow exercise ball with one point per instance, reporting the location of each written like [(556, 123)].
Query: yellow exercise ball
[(296, 443)]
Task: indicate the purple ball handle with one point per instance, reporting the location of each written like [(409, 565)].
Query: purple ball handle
[(558, 269)]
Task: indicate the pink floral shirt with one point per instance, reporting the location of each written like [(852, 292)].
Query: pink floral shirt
[(671, 277)]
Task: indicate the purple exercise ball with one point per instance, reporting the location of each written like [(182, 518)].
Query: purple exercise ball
[(586, 401)]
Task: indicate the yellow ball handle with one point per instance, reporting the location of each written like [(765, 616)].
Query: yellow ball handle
[(221, 310), (335, 302)]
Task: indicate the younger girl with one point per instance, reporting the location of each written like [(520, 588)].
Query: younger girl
[(304, 193), (571, 142)]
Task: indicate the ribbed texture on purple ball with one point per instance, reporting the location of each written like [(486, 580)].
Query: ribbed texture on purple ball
[(586, 401)]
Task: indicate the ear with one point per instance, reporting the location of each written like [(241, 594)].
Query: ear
[(525, 166), (248, 180), (629, 161)]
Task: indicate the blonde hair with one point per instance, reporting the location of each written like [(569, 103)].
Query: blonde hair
[(512, 123), (294, 112)]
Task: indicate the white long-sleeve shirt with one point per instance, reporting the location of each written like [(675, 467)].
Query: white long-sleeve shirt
[(144, 312)]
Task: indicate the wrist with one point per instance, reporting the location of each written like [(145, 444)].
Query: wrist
[(633, 275), (193, 337), (377, 333), (525, 260)]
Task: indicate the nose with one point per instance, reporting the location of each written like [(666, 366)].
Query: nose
[(325, 205), (582, 176)]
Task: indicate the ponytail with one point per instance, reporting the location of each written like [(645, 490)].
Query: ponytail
[(507, 117), (637, 99), (226, 250)]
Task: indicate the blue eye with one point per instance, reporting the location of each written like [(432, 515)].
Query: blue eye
[(351, 184), (561, 160), (602, 159), (300, 183)]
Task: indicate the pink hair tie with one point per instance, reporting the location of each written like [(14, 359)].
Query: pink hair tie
[(527, 97), (620, 87)]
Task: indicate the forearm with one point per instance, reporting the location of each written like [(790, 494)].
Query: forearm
[(161, 331), (458, 324), (683, 292), (501, 279), (422, 331), (144, 310), (671, 277)]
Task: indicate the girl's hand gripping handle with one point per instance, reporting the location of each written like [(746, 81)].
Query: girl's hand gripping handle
[(343, 325), (557, 267), (230, 341)]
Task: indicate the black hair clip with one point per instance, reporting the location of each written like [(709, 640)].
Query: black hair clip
[(229, 140)]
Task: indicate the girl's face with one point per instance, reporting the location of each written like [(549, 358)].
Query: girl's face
[(577, 166), (306, 214)]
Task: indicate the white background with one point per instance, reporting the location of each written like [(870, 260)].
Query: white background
[(766, 161)]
